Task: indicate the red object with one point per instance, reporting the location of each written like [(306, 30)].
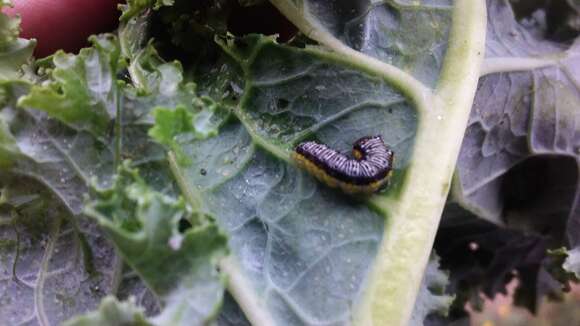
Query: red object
[(64, 24)]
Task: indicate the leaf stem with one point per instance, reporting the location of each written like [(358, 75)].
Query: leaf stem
[(244, 294), (16, 256), (413, 218), (405, 82), (118, 127), (260, 141), (495, 65), (192, 196), (117, 277), (237, 284), (39, 286)]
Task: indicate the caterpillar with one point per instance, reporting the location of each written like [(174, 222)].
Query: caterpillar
[(366, 173)]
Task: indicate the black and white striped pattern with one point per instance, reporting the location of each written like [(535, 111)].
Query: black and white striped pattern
[(375, 163)]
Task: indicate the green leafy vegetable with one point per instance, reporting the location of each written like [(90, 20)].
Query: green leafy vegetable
[(289, 95), (169, 124), (432, 297), (154, 167), (96, 122), (74, 98), (135, 7), (174, 126), (8, 148), (52, 265), (519, 163), (14, 51), (572, 263), (178, 266), (113, 313)]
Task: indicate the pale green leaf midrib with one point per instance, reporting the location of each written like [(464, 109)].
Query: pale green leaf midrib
[(416, 214)]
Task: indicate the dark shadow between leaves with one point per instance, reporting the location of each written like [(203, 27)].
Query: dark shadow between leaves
[(538, 196)]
